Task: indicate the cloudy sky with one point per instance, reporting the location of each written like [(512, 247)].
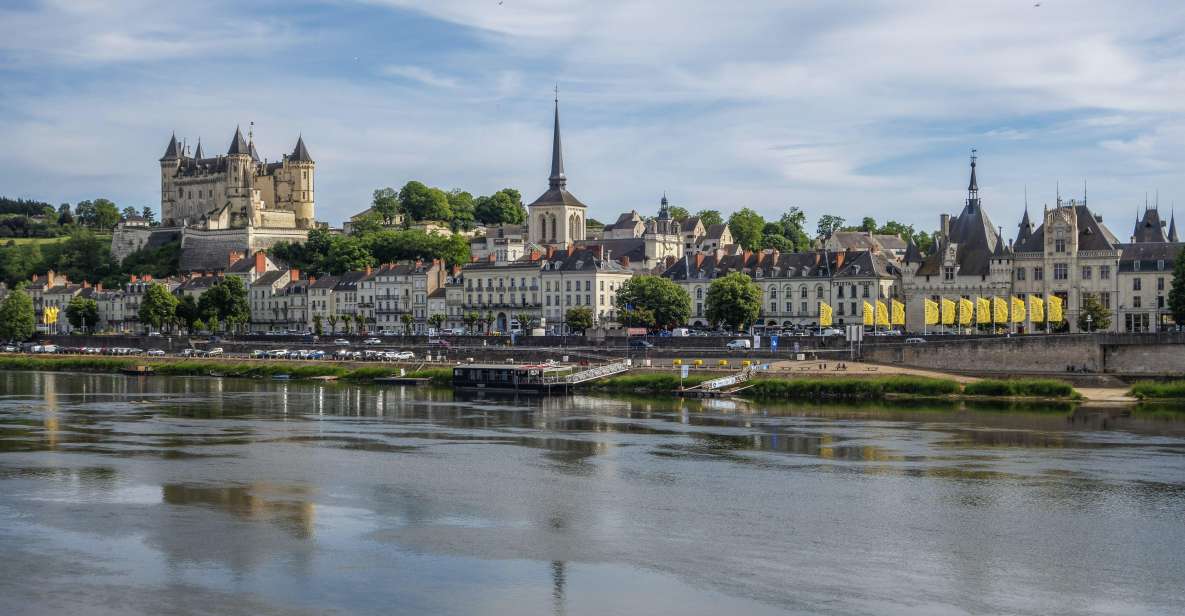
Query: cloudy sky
[(861, 109)]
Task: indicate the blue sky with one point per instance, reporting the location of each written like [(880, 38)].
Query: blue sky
[(862, 109)]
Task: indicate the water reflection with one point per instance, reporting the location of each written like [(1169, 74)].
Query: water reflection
[(357, 498)]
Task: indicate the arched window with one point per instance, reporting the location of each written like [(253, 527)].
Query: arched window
[(802, 292), (699, 293), (819, 292)]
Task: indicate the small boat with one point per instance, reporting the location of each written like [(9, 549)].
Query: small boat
[(283, 376), (139, 370)]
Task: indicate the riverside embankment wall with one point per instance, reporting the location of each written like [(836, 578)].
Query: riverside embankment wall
[(1161, 354)]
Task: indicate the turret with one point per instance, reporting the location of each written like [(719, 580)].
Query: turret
[(169, 163), (302, 166)]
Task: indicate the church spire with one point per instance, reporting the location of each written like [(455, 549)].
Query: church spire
[(1173, 227), (173, 151), (557, 178), (198, 154), (973, 185), (238, 145)]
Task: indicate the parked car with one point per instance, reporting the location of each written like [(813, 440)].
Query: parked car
[(10, 348), (155, 353), (258, 354), (278, 353), (214, 352), (737, 345), (372, 341), (831, 331), (915, 341), (438, 342), (341, 342), (403, 355), (641, 344)]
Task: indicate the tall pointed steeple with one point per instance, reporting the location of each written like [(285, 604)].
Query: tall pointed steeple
[(664, 208), (557, 178), (1173, 227), (198, 152), (973, 185), (173, 151), (300, 153), (238, 145)]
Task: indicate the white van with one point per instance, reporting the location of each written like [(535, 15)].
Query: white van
[(734, 345)]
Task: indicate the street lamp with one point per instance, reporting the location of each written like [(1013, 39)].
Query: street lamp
[(1089, 318)]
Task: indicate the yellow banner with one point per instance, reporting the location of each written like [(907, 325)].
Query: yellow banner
[(966, 311), (948, 312), (868, 313), (882, 314), (1055, 309), (999, 310), (898, 312), (824, 314), (983, 311), (1036, 309), (1018, 310), (930, 307)]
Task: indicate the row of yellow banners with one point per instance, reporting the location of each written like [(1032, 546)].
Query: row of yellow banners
[(963, 311), (878, 315), (49, 315)]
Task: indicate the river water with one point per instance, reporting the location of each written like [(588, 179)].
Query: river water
[(164, 495)]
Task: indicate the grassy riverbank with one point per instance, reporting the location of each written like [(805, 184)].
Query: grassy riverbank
[(252, 369), (1156, 390)]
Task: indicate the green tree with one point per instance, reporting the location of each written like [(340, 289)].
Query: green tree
[(386, 204), (18, 321), (777, 242), (637, 317), (82, 313), (579, 319), (187, 312), (317, 329), (734, 301), (1100, 316), (669, 304), (868, 225), (793, 228), (678, 213), (106, 214), (128, 212), (471, 319), (149, 214), (406, 319), (1177, 293), (504, 206), (420, 202), (65, 217), (227, 302), (463, 208), (746, 226), (710, 217), (347, 254), (82, 256), (158, 306), (829, 224), (332, 324), (359, 322), (524, 320), (436, 321)]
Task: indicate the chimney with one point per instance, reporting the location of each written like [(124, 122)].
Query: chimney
[(147, 277), (625, 261), (86, 285), (944, 225), (312, 280), (293, 275), (369, 270), (99, 287), (233, 257), (260, 262), (745, 255), (595, 249), (670, 261), (492, 258), (571, 249), (536, 255), (818, 257), (134, 279), (699, 261), (49, 276), (550, 252), (760, 257), (839, 256)]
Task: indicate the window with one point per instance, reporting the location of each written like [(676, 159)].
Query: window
[(803, 307), (1061, 271), (1086, 271), (1160, 284), (789, 307), (587, 285), (1020, 273), (602, 285), (1160, 301), (773, 293), (1136, 284), (1104, 272), (948, 273), (819, 292), (1136, 302), (1136, 265), (839, 308), (1160, 264), (1038, 273), (699, 309), (854, 311), (840, 293), (699, 293), (802, 292), (773, 306), (865, 291), (1059, 245), (1105, 299)]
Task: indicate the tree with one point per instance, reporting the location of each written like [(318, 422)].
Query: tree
[(64, 215), (1177, 293), (346, 325), (149, 214), (359, 322), (502, 207), (524, 320), (669, 304), (777, 242), (187, 312), (128, 212), (710, 217), (829, 224), (406, 319), (346, 253), (1100, 316), (746, 226), (734, 301), (158, 306), (386, 204), (678, 213), (868, 224), (463, 209), (332, 324), (82, 312), (470, 320), (579, 319), (436, 321), (793, 228), (420, 202), (106, 214), (227, 302), (637, 317), (317, 325), (85, 213), (17, 318)]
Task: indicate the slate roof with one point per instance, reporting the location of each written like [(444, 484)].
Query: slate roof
[(913, 254), (715, 232), (300, 153), (325, 282), (173, 151), (633, 247), (583, 261), (1148, 254), (1149, 228), (1092, 234), (268, 279), (782, 266), (1173, 228), (238, 145), (557, 193)]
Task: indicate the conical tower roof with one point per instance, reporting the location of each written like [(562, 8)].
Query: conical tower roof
[(173, 151), (557, 179), (300, 153), (251, 149), (1173, 228), (198, 154), (912, 253), (238, 145)]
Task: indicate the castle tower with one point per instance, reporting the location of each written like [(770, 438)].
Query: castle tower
[(301, 166), (169, 163), (240, 181), (557, 216)]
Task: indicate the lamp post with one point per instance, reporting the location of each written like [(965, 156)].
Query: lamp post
[(1089, 318)]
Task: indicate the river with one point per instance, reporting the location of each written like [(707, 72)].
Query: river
[(160, 495)]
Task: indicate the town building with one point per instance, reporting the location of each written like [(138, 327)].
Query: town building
[(557, 217)]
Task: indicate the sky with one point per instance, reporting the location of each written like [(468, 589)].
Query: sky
[(855, 109)]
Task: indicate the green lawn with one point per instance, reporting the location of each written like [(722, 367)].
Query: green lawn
[(46, 240)]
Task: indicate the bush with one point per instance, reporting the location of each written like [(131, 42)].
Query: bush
[(850, 388), (1154, 389), (1046, 388), (653, 381)]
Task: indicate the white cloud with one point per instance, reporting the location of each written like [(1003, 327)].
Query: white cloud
[(420, 74)]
